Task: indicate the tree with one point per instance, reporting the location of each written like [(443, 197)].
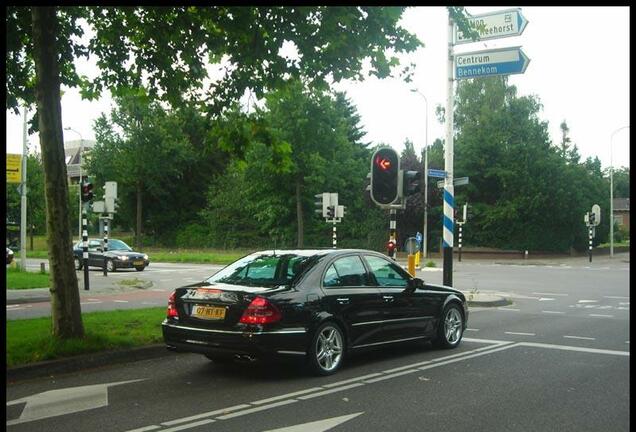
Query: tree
[(168, 48)]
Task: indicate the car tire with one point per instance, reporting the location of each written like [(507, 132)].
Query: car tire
[(78, 263), (110, 266), (327, 349), (451, 327), (139, 268)]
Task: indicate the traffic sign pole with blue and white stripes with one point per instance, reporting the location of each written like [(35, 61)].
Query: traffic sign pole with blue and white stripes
[(449, 190)]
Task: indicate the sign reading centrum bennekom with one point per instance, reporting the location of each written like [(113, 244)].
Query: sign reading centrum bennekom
[(14, 168), (502, 61), (494, 25)]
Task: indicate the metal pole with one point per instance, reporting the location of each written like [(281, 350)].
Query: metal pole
[(85, 246), (392, 228), (612, 193), (80, 178), (449, 191), (590, 237), (334, 233), (460, 241), (23, 193), (105, 248), (425, 230)]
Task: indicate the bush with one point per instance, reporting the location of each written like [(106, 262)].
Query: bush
[(193, 235)]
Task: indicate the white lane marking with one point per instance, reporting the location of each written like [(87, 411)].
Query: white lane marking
[(120, 301), (623, 303), (553, 312), (69, 400), (572, 348), (508, 309), (205, 414), (260, 408), (14, 306), (188, 426), (588, 301), (546, 299), (626, 342), (551, 294), (284, 396), (500, 348), (617, 297), (333, 390), (87, 303), (579, 337), (318, 426), (601, 316), (347, 381), (397, 374), (471, 329), (520, 333)]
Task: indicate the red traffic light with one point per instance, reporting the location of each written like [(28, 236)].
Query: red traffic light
[(383, 163)]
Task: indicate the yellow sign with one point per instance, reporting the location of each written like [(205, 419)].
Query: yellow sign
[(14, 168)]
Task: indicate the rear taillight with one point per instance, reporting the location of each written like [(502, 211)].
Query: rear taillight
[(172, 307), (261, 311)]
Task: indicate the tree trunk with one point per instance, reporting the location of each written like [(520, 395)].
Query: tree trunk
[(138, 232), (66, 312), (299, 214)]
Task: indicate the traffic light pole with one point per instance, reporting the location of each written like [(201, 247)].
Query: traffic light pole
[(334, 233), (105, 245), (392, 228), (590, 228), (85, 247), (449, 191)]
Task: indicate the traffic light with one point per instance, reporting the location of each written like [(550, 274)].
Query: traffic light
[(331, 212), (592, 218), (87, 191), (390, 247), (411, 182), (385, 168)]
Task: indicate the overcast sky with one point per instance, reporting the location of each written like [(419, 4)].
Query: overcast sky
[(579, 69)]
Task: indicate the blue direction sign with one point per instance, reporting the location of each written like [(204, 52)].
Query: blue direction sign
[(494, 25), (503, 61), (437, 173)]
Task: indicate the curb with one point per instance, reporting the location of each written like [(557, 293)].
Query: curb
[(83, 362), (494, 303), (28, 300)]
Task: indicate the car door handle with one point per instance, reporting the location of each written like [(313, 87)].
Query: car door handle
[(388, 299), (343, 300)]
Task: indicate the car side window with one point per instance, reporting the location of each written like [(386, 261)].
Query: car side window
[(386, 273), (93, 245), (346, 272)]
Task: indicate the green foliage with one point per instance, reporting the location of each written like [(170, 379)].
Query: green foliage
[(524, 192)]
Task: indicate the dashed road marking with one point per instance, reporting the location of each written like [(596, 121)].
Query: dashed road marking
[(553, 312), (509, 309), (520, 333), (579, 337), (472, 329), (617, 297), (120, 301), (588, 301), (551, 294), (601, 316)]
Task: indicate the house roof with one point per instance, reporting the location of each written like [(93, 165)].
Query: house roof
[(621, 204)]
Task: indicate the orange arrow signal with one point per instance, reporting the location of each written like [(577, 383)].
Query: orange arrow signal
[(385, 164)]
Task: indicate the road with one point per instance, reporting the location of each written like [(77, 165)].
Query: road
[(556, 359)]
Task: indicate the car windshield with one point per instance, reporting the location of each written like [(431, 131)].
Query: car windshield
[(118, 245), (265, 270)]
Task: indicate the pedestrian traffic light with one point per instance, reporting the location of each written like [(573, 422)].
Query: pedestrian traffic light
[(87, 191), (410, 182), (331, 212), (390, 247), (385, 168)]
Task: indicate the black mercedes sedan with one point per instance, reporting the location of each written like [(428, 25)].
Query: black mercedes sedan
[(118, 255), (315, 305)]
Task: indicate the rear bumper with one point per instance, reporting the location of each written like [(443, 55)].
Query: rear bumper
[(282, 343)]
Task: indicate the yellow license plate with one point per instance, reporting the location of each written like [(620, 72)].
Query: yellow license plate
[(138, 263), (208, 312)]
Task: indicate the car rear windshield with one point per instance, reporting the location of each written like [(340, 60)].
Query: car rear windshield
[(264, 270)]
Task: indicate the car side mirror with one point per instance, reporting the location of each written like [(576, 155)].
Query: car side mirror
[(414, 283)]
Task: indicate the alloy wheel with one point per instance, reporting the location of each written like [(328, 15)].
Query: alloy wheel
[(453, 326), (329, 348)]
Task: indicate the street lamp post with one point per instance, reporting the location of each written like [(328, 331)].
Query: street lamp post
[(425, 233), (80, 179), (612, 192)]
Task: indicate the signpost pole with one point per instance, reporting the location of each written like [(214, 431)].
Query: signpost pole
[(590, 237), (334, 232), (460, 241), (23, 193), (85, 246), (448, 167)]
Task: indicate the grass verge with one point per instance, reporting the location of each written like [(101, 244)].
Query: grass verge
[(30, 340), (205, 256), (18, 279)]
